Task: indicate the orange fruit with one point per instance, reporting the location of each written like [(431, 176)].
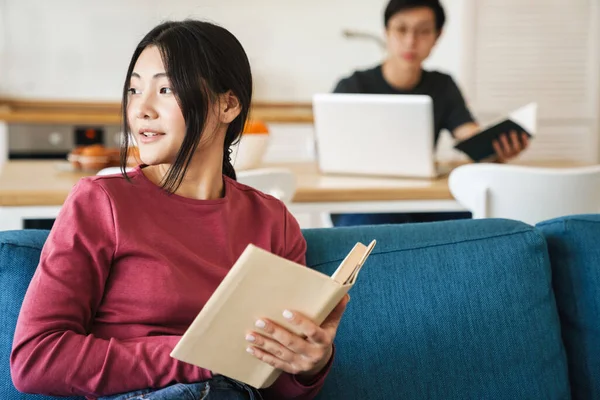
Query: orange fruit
[(255, 127), (94, 150)]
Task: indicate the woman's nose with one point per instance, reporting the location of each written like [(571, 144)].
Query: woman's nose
[(145, 108)]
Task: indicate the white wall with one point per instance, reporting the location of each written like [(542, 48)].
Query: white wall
[(3, 31), (79, 49)]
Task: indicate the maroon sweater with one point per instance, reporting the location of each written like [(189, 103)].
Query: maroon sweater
[(124, 272)]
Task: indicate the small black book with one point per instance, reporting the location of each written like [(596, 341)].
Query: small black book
[(479, 147)]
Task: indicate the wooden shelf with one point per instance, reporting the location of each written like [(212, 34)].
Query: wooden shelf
[(108, 113)]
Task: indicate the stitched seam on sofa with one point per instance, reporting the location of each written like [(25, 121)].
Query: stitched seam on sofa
[(565, 221), (20, 245), (12, 242), (543, 265), (553, 223), (537, 233)]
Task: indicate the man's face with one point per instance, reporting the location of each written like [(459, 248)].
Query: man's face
[(411, 35)]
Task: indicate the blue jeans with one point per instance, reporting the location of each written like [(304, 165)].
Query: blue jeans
[(217, 388), (395, 218)]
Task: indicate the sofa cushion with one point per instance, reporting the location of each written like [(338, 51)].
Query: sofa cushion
[(574, 246), (448, 310), (19, 256)]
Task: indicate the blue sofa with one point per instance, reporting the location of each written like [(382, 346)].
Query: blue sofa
[(477, 309)]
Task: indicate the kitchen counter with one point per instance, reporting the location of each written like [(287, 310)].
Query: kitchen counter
[(47, 183), (36, 183)]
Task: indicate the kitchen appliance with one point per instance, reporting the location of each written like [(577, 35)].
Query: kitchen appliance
[(43, 141)]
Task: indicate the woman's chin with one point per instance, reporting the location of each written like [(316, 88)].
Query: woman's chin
[(151, 159)]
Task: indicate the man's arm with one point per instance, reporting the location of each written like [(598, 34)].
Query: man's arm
[(465, 131), (460, 122)]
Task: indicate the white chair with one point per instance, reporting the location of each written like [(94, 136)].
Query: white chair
[(528, 194), (112, 170), (277, 182)]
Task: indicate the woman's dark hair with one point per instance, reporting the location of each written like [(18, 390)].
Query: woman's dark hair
[(202, 61), (395, 6)]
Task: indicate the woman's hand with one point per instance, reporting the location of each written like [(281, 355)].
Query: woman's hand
[(509, 146), (294, 354)]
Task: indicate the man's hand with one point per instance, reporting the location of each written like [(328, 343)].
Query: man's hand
[(508, 146)]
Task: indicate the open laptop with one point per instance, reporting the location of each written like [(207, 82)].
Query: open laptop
[(372, 134)]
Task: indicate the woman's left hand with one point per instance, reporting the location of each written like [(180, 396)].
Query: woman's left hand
[(294, 354)]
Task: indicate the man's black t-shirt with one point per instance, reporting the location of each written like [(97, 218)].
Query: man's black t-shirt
[(449, 108)]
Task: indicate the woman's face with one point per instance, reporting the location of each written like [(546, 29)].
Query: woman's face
[(411, 35), (155, 118)]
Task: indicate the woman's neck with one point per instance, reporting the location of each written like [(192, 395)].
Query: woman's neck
[(203, 179), (401, 77)]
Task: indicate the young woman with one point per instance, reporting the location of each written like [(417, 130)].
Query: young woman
[(412, 29), (132, 259)]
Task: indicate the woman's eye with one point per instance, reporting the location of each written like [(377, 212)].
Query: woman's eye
[(132, 91), (165, 90)]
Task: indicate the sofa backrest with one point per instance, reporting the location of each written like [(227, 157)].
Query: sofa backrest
[(450, 310), (574, 246)]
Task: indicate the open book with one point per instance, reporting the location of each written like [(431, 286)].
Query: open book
[(261, 285), (480, 147)]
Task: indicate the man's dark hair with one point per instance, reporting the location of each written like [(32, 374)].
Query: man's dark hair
[(395, 6)]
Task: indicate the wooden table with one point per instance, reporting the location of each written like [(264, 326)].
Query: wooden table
[(37, 189), (319, 195)]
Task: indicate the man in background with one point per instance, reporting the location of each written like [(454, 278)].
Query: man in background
[(412, 29)]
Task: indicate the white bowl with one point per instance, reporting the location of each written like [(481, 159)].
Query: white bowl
[(249, 152)]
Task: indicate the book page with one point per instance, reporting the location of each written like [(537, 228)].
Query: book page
[(349, 268), (526, 116)]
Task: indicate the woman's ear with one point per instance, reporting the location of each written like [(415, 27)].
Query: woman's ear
[(230, 107)]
